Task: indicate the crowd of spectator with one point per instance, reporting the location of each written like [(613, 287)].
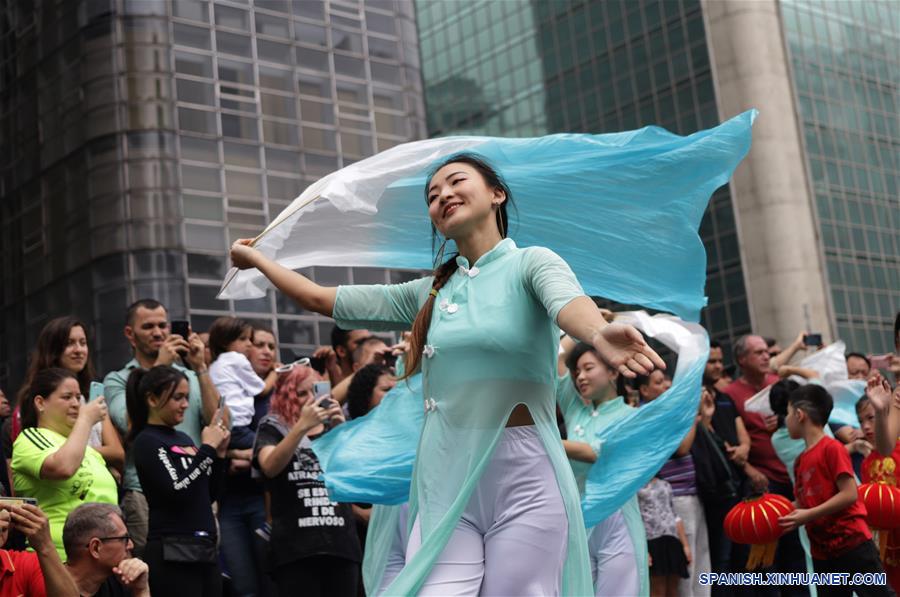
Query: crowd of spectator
[(192, 473)]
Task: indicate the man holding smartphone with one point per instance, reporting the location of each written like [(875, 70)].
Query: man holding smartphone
[(148, 331), (40, 572)]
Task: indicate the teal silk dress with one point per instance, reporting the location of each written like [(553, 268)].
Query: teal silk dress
[(583, 422), (492, 345)]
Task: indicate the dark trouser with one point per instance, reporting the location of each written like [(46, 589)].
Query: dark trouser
[(719, 543), (317, 576), (790, 556), (240, 514), (861, 559), (178, 578)]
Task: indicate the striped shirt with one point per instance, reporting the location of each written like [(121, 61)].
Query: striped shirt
[(679, 472)]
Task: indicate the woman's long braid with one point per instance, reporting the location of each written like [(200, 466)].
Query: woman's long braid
[(420, 326)]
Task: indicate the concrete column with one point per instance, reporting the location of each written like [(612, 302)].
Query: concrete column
[(779, 236)]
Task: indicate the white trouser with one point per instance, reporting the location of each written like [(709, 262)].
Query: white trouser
[(397, 556), (613, 563), (690, 510), (511, 538)]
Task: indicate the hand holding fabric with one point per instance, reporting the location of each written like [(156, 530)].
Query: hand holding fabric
[(243, 255), (625, 349)]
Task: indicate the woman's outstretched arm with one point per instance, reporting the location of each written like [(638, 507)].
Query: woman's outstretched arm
[(620, 345), (302, 290)]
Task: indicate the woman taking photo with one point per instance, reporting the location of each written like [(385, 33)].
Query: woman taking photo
[(52, 461), (313, 543), (63, 343), (180, 482), (485, 336)]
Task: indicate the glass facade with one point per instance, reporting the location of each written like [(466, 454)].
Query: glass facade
[(533, 68), (845, 57), (138, 139)]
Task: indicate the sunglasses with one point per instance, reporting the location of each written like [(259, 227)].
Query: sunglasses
[(124, 539), (304, 362)]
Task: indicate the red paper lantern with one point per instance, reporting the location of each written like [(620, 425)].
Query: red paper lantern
[(754, 521), (882, 504)]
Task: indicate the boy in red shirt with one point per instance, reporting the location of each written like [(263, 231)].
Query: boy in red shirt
[(840, 540)]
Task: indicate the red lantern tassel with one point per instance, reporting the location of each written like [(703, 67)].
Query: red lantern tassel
[(882, 542), (761, 556)]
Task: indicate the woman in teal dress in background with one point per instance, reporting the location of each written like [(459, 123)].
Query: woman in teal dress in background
[(494, 501), (586, 394)]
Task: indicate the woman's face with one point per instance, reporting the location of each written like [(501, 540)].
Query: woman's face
[(591, 376), (242, 344), (59, 410), (75, 355), (386, 383), (262, 352), (305, 389), (658, 384), (171, 412), (460, 201)]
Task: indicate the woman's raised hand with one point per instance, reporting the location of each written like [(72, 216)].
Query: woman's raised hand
[(216, 434), (623, 347), (243, 255), (94, 411)]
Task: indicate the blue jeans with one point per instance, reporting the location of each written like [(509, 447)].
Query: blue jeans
[(240, 514)]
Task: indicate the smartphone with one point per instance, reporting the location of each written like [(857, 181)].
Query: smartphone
[(182, 327), (96, 390), (17, 501), (881, 361), (321, 388), (812, 339)]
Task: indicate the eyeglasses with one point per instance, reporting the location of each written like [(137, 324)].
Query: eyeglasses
[(124, 539), (304, 362)]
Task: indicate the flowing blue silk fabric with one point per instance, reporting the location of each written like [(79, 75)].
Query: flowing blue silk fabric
[(370, 459), (622, 209)]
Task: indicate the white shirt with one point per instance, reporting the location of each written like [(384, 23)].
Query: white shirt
[(237, 383)]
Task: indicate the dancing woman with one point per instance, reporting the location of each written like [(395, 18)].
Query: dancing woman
[(494, 501)]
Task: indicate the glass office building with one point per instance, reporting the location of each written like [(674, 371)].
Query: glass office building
[(845, 58), (139, 138), (533, 68)]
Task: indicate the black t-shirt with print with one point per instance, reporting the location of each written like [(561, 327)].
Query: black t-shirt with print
[(305, 522), (179, 481)]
